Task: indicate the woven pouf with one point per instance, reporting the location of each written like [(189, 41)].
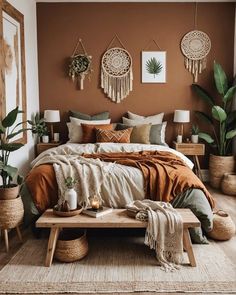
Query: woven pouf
[(223, 226), (228, 184), (11, 213), (72, 245)]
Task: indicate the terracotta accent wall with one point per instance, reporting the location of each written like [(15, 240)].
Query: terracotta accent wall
[(61, 24)]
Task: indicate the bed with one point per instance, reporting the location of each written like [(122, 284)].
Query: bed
[(118, 184)]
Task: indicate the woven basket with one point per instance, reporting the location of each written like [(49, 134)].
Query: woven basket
[(9, 192), (223, 226), (71, 245), (228, 184), (11, 213)]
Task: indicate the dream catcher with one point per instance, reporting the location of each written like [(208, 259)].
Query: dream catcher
[(195, 46), (116, 72), (80, 65)]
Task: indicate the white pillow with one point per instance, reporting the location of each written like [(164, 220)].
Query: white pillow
[(89, 122), (157, 117), (148, 120)]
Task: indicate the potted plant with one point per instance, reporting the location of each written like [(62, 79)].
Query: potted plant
[(222, 121), (70, 193), (39, 127), (9, 189), (194, 134)]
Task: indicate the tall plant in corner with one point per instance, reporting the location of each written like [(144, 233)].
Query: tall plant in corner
[(221, 118)]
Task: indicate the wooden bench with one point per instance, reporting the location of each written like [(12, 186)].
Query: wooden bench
[(117, 219)]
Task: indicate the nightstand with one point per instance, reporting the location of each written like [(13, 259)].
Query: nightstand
[(194, 150), (41, 147)]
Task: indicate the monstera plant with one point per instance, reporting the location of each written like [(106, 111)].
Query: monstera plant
[(222, 120), (9, 189)]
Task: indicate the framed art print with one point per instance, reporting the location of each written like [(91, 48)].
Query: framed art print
[(153, 66)]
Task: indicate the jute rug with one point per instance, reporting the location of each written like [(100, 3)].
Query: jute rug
[(116, 265)]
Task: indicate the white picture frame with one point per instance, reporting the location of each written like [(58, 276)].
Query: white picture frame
[(156, 62)]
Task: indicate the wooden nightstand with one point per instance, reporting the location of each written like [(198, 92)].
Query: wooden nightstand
[(41, 147), (194, 150)]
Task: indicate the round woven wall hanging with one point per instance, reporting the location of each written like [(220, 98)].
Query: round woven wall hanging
[(116, 73), (195, 46)]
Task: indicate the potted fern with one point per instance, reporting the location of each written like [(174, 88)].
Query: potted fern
[(222, 121)]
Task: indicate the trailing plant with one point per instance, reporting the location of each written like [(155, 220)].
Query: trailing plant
[(153, 66), (70, 182), (7, 133), (39, 126), (221, 119), (194, 130)]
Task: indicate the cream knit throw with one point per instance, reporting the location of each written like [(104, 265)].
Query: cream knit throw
[(164, 231)]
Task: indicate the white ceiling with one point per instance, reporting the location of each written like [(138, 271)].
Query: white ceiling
[(104, 1)]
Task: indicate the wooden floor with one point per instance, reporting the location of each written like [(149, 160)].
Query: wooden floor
[(227, 203)]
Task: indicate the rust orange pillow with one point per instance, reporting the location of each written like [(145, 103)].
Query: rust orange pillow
[(117, 136), (89, 132)]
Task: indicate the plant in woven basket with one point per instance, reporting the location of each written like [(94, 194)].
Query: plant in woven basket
[(7, 146), (153, 66)]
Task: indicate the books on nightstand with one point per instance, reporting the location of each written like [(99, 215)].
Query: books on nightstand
[(98, 212)]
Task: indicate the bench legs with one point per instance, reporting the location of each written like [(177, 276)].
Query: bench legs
[(51, 245), (188, 247)]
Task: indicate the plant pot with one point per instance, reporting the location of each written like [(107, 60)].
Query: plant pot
[(194, 138), (8, 193), (11, 213), (45, 139), (71, 198), (228, 184), (218, 166)]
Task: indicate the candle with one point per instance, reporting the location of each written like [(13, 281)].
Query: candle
[(95, 203)]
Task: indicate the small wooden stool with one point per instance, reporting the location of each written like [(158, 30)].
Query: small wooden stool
[(4, 233)]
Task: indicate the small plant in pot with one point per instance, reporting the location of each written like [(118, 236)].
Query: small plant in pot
[(194, 133), (70, 193), (39, 127), (9, 189), (222, 121)]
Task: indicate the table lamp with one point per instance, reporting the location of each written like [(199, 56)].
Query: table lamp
[(181, 117), (52, 116)]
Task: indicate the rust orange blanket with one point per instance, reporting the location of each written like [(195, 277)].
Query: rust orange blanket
[(165, 177)]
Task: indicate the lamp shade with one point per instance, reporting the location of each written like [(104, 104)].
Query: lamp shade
[(181, 116), (52, 116)]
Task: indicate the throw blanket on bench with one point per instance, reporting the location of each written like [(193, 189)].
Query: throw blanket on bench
[(164, 232)]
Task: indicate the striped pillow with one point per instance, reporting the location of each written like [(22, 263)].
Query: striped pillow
[(117, 136)]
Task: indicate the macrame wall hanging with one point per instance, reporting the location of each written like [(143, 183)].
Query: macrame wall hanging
[(116, 72), (195, 46), (80, 65)]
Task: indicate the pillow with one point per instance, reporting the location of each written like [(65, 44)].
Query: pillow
[(89, 131), (141, 134), (88, 122), (75, 132), (117, 136), (82, 116), (130, 122), (156, 117)]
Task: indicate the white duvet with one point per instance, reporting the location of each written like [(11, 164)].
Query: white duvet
[(124, 184)]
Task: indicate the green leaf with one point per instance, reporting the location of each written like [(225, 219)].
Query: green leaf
[(229, 94), (2, 129), (204, 117), (11, 147), (153, 66), (17, 132), (230, 134), (220, 79), (20, 179), (203, 94), (10, 119), (219, 114), (206, 137), (11, 171)]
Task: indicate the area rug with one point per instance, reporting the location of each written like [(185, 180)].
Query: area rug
[(115, 265)]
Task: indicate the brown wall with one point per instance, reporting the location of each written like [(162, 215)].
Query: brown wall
[(61, 24)]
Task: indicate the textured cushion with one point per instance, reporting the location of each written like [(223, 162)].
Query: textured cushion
[(141, 134), (120, 136), (89, 131), (157, 117), (155, 120), (89, 122), (82, 116)]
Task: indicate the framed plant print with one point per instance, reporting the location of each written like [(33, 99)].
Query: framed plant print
[(153, 66), (12, 61)]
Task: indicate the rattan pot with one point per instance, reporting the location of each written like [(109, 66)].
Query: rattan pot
[(223, 226), (72, 245), (11, 213), (8, 193), (228, 184), (218, 166)]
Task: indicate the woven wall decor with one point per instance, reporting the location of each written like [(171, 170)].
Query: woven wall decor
[(195, 46), (116, 73), (80, 65)]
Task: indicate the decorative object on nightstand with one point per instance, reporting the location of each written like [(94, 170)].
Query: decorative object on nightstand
[(181, 117), (41, 147), (194, 150), (194, 133), (222, 121), (39, 127), (52, 116)]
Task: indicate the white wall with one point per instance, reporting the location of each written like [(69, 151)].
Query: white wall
[(23, 156)]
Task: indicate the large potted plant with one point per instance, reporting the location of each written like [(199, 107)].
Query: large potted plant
[(222, 120), (9, 187)]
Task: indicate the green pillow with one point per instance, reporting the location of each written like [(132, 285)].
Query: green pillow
[(82, 116)]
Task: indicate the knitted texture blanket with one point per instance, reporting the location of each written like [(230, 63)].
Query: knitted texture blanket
[(164, 232)]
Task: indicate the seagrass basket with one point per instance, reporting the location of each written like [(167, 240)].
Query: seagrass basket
[(11, 213), (228, 184), (72, 245)]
